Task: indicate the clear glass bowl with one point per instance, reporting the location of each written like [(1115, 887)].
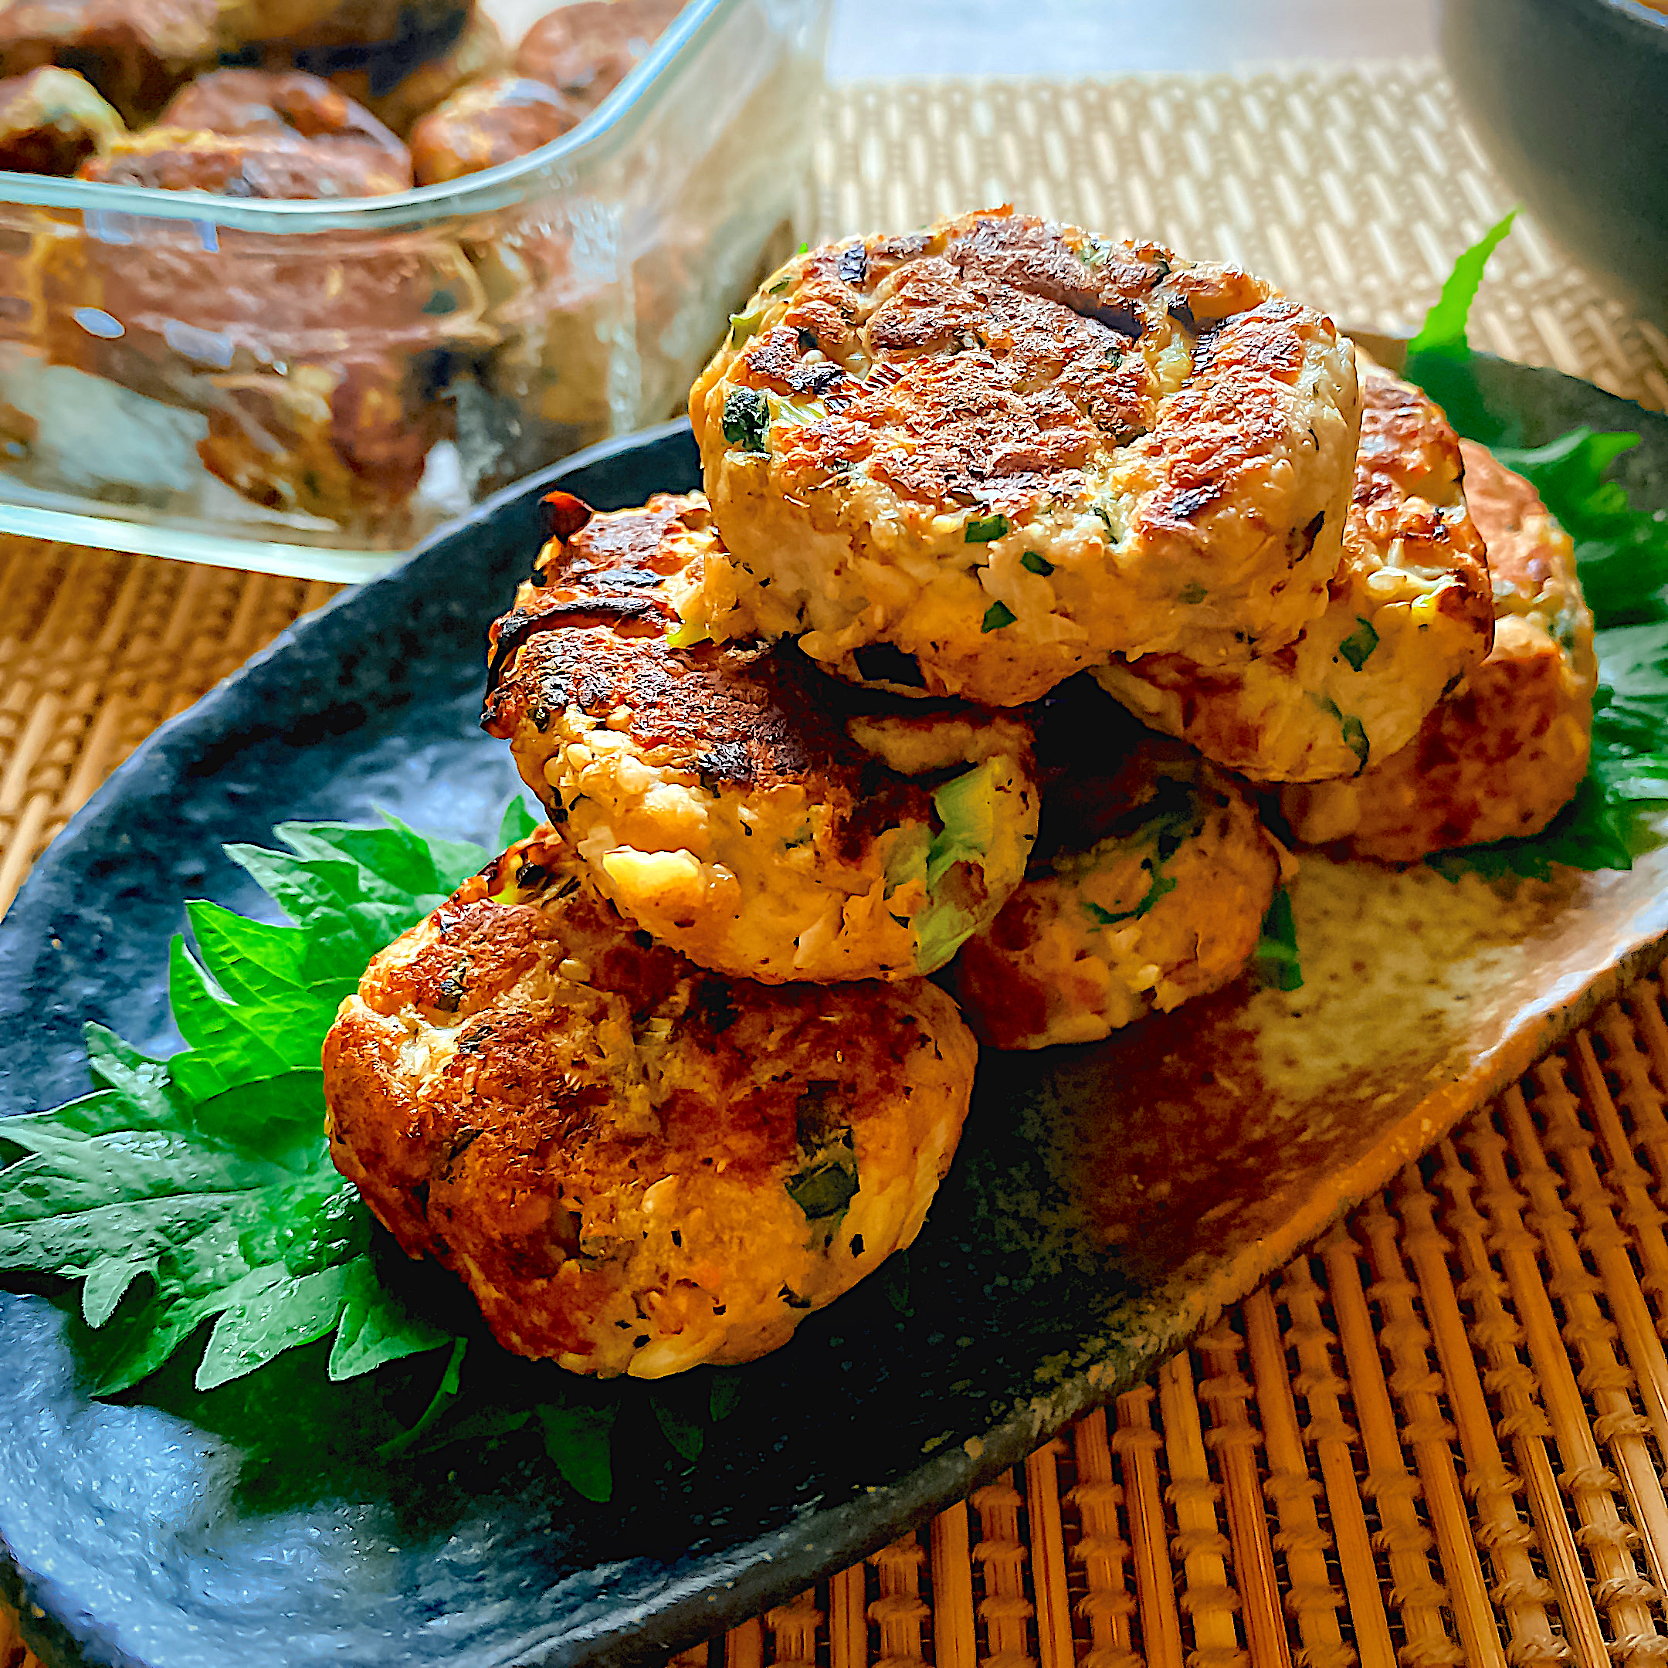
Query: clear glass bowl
[(309, 387)]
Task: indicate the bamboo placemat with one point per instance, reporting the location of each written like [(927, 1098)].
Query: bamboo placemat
[(1440, 1437)]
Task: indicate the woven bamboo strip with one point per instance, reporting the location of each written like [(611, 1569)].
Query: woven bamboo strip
[(899, 1610), (1393, 1490), (1590, 1485), (1332, 1434), (1208, 1600), (1520, 1416), (955, 1625), (793, 1630), (1521, 1594), (1293, 1491), (1403, 1335), (1048, 1558), (1108, 1604), (1235, 1440), (1610, 1385), (1605, 1381), (1000, 1557), (1628, 1050), (848, 1620), (744, 1646), (1137, 1445)]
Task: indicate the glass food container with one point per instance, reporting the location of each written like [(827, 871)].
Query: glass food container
[(309, 387)]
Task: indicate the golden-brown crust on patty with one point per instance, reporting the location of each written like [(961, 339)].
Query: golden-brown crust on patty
[(488, 122), (590, 631), (134, 51), (51, 121), (1006, 449), (1148, 888), (274, 165), (1408, 614), (312, 371), (587, 48), (636, 1166), (477, 53), (731, 797), (283, 102), (1503, 754)]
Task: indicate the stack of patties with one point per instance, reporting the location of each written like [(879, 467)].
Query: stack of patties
[(671, 1073), (669, 1076)]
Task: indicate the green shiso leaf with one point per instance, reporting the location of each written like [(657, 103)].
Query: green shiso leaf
[(725, 1396), (576, 1438), (1443, 331), (199, 1190), (682, 1427), (1621, 554), (516, 824)]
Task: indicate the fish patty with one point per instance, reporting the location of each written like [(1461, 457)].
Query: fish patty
[(487, 122), (1501, 756), (1149, 884), (1409, 614), (753, 813), (1004, 449), (285, 102), (635, 1166), (135, 52), (586, 48)]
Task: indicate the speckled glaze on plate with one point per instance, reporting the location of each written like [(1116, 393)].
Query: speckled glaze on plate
[(1105, 1203)]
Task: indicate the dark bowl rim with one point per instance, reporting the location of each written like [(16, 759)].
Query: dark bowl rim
[(1634, 17)]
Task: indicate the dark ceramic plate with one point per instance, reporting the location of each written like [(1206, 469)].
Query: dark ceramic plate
[(1104, 1204)]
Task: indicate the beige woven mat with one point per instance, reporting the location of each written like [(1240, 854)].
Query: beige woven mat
[(1439, 1439)]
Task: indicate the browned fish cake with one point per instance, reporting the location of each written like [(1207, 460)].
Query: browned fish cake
[(274, 165), (310, 369), (1501, 756), (398, 98), (586, 49), (1001, 449), (486, 123), (635, 1166), (284, 102), (347, 27), (1408, 615), (51, 121), (748, 810), (135, 52), (1147, 887)]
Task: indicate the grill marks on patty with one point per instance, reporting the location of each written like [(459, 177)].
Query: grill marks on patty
[(1407, 495), (740, 715), (981, 372)]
